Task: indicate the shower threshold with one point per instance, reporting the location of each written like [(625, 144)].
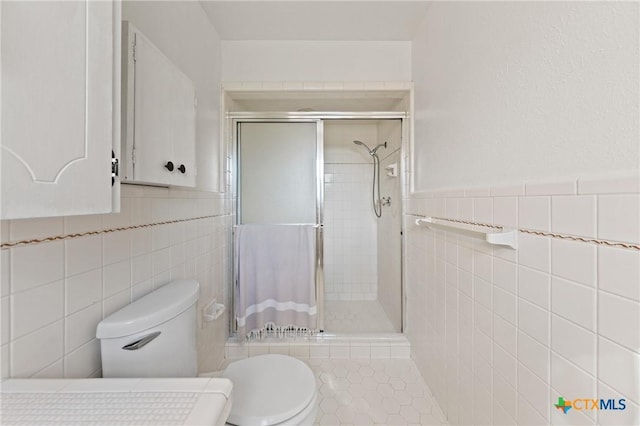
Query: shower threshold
[(324, 345)]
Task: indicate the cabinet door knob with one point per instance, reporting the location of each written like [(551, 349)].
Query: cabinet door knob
[(169, 166), (182, 168)]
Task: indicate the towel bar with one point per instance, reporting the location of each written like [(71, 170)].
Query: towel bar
[(506, 238)]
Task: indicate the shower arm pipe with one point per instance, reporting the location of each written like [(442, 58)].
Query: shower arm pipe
[(507, 238)]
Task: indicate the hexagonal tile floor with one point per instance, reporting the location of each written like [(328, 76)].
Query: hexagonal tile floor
[(373, 392)]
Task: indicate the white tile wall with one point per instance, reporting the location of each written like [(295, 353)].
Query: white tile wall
[(618, 217), (615, 311), (565, 220), (50, 266), (574, 261), (35, 308), (350, 235), (533, 213), (54, 294), (618, 368), (619, 272), (552, 318), (350, 227)]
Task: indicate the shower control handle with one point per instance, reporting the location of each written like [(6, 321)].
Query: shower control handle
[(169, 166), (385, 201), (182, 169)]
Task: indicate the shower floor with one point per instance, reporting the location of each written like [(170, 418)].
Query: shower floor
[(356, 316)]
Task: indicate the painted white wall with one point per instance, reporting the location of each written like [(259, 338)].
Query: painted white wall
[(513, 91), (183, 32), (316, 61)]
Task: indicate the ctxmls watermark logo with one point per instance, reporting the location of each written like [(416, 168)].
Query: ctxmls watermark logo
[(582, 404)]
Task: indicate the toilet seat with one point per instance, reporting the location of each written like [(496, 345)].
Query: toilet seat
[(271, 389)]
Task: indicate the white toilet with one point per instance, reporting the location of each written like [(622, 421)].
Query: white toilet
[(155, 336)]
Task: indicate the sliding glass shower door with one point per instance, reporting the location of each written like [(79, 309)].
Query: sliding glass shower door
[(280, 179)]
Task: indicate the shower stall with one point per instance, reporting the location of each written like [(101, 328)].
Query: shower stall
[(362, 258), (318, 168)]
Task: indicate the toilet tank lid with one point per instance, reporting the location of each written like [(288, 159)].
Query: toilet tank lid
[(155, 308)]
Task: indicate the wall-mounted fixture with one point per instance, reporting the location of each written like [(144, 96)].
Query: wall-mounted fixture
[(392, 170), (212, 311), (507, 238)]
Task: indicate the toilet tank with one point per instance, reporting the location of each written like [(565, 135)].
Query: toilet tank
[(155, 336)]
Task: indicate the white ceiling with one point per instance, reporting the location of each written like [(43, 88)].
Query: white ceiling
[(353, 20)]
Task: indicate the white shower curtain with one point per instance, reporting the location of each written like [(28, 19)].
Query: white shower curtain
[(275, 279)]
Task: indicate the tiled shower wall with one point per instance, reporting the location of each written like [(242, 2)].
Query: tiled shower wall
[(55, 293), (500, 334), (350, 235)]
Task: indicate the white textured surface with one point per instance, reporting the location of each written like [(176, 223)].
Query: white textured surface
[(115, 401), (512, 91), (143, 408)]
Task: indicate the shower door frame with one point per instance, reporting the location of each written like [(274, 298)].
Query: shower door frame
[(235, 118), (257, 118)]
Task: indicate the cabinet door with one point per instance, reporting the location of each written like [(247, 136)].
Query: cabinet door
[(57, 107), (153, 115), (163, 147), (184, 123)]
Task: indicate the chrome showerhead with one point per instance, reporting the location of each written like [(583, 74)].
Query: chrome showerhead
[(371, 151), (365, 145)]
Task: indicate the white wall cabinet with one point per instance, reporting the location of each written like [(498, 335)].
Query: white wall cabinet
[(159, 109), (60, 107)]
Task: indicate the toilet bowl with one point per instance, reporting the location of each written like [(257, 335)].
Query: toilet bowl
[(155, 336), (272, 390)]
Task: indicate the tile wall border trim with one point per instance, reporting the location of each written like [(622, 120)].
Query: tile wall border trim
[(12, 244), (608, 243)]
